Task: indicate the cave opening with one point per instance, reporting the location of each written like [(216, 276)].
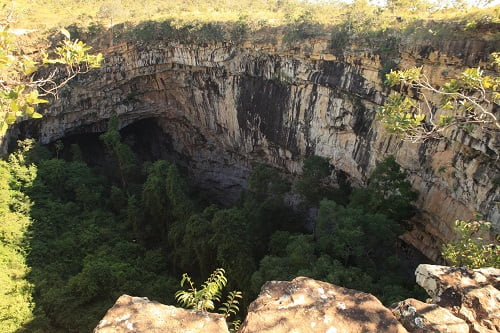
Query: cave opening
[(146, 138)]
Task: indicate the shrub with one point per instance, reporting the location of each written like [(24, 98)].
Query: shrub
[(471, 249), (299, 28)]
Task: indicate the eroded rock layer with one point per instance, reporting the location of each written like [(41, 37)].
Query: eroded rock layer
[(306, 305), (140, 315), (222, 107), (470, 294), (463, 301)]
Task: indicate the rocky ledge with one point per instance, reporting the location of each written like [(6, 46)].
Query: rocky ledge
[(139, 314), (462, 300)]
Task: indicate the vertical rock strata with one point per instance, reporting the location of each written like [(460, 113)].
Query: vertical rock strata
[(223, 107)]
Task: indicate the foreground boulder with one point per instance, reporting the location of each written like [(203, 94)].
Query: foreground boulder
[(463, 301), (471, 295), (305, 305), (140, 315), (420, 317)]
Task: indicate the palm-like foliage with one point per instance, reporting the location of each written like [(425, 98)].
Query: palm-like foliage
[(203, 298)]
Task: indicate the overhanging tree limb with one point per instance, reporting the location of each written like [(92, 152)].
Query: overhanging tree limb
[(470, 101), (22, 86)]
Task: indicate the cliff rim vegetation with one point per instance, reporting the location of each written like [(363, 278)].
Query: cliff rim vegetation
[(224, 20)]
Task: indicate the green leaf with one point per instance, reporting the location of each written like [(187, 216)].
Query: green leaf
[(10, 118), (29, 65), (14, 106), (36, 115), (3, 127), (28, 110), (32, 98), (66, 33)]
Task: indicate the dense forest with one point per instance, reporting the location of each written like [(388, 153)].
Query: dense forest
[(76, 236)]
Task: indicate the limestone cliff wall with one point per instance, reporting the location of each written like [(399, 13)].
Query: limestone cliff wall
[(224, 106)]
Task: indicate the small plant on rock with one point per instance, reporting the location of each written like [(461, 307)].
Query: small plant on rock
[(210, 292)]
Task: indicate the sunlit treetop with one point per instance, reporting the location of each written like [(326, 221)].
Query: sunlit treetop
[(55, 13)]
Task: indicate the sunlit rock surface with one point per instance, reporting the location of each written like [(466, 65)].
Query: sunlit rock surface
[(140, 315), (222, 107), (420, 317), (472, 295), (305, 305), (463, 301)]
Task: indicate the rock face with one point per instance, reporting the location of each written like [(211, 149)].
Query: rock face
[(305, 305), (471, 295), (222, 107), (420, 317), (140, 315)]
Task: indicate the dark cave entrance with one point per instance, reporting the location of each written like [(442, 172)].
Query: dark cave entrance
[(146, 138)]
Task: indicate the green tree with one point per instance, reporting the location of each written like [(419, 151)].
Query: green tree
[(299, 27), (312, 184), (402, 7), (265, 208), (339, 232), (388, 192), (135, 215), (111, 10), (122, 154), (16, 303), (197, 248), (355, 236), (155, 200), (265, 182), (290, 255), (181, 206), (233, 244)]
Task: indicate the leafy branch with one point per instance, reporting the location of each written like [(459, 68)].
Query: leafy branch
[(211, 290), (230, 307), (22, 86), (471, 249), (467, 102)]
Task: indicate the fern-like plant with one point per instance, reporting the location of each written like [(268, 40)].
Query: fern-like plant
[(230, 307), (210, 292), (203, 298)]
